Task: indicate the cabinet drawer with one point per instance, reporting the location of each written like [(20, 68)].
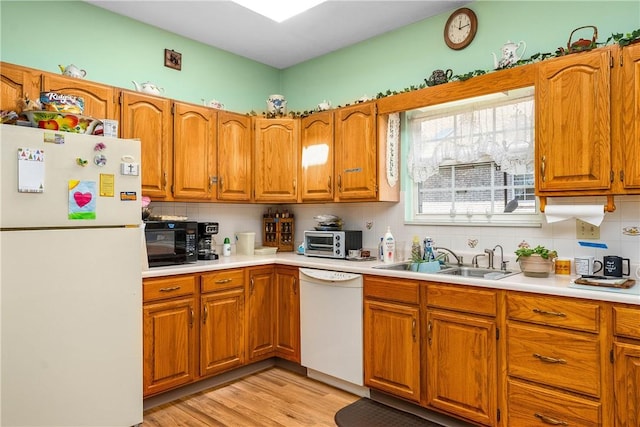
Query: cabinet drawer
[(462, 298), (554, 357), (627, 322), (168, 287), (546, 310), (220, 280), (406, 291), (529, 405)]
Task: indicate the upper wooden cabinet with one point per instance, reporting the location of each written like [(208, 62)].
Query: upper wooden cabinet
[(234, 157), (276, 160), (356, 152), (16, 83), (148, 118), (100, 101), (316, 165), (194, 152), (573, 127), (626, 107)]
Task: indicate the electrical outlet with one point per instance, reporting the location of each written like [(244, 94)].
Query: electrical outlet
[(584, 230)]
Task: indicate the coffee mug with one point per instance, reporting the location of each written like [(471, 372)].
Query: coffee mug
[(563, 266), (586, 265), (354, 253), (613, 266)]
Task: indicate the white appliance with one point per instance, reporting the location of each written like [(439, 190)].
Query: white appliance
[(331, 328), (71, 303)]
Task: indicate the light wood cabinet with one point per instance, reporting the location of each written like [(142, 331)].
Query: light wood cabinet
[(169, 333), (317, 175), (276, 160), (626, 365), (573, 126), (462, 352), (194, 152), (392, 336), (557, 352), (17, 83), (261, 312), (626, 107), (222, 340), (287, 342), (100, 101), (356, 153), (148, 118), (234, 157)]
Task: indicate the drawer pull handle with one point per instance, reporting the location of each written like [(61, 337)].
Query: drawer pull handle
[(171, 289), (550, 313), (223, 281), (549, 359), (549, 420)]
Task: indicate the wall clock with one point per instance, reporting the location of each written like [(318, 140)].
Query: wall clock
[(460, 29)]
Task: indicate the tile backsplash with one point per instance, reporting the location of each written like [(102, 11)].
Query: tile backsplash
[(560, 236)]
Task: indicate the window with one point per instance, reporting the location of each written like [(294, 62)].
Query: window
[(471, 162)]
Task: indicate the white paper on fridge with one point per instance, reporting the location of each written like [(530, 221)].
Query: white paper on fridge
[(30, 170)]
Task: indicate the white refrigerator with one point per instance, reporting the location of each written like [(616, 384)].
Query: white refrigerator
[(70, 279)]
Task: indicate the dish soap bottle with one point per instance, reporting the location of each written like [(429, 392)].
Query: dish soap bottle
[(389, 247), (415, 249), (226, 247), (428, 250)]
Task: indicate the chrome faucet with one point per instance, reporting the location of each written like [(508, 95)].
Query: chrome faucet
[(474, 261), (457, 257), (503, 263)]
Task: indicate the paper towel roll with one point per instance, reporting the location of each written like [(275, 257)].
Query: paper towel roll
[(593, 214)]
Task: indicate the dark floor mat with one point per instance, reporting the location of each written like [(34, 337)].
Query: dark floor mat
[(367, 413)]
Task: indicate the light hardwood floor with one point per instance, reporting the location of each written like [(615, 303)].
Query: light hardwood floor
[(274, 397)]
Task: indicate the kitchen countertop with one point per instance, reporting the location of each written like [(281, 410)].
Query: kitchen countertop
[(552, 285)]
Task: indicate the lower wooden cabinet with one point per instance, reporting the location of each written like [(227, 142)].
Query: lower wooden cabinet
[(392, 337), (222, 325), (462, 352), (627, 365), (169, 333), (287, 304), (261, 313)]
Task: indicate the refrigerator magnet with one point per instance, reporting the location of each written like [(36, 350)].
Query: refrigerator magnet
[(107, 184), (81, 162), (30, 170), (82, 199), (100, 160)]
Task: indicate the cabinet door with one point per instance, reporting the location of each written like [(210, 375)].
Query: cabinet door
[(222, 331), (356, 153), (17, 83), (392, 348), (99, 100), (628, 98), (169, 345), (627, 384), (287, 314), (276, 154), (194, 152), (462, 365), (234, 157), (148, 118), (316, 176), (261, 313), (573, 129)]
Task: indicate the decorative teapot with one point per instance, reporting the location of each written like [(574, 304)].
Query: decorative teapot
[(214, 103), (438, 77), (72, 71), (276, 105), (148, 87), (324, 105), (509, 54)]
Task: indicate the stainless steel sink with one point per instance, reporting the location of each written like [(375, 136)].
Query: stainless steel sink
[(478, 272), (456, 270)]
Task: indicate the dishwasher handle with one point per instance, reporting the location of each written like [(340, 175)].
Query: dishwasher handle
[(327, 276)]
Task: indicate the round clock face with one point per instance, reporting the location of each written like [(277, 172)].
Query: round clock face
[(460, 28)]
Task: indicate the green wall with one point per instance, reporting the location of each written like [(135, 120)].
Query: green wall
[(116, 50), (404, 57)]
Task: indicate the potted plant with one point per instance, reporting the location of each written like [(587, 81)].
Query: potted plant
[(535, 262)]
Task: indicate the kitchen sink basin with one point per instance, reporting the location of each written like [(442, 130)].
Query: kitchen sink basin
[(456, 270)]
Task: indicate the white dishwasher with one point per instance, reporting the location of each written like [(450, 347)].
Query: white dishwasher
[(331, 328)]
